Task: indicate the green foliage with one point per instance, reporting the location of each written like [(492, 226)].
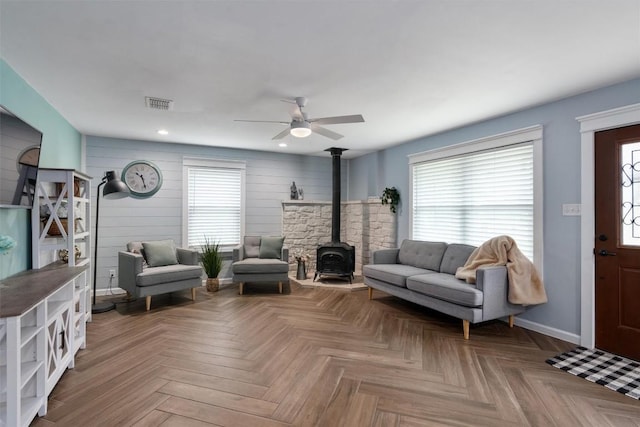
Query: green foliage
[(391, 197), (211, 258)]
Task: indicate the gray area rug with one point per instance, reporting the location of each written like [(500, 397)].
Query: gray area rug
[(614, 372)]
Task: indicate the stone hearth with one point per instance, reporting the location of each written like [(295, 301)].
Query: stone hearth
[(331, 283), (366, 224)]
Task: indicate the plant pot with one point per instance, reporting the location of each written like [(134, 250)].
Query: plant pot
[(213, 284)]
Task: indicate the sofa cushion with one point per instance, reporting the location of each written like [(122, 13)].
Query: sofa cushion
[(455, 256), (271, 247), (137, 248), (168, 273), (260, 265), (427, 255), (160, 252), (394, 274), (251, 246), (446, 287)]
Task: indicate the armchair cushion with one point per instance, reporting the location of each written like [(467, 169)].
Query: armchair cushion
[(168, 273), (137, 248), (271, 247), (260, 265), (160, 252), (251, 246)]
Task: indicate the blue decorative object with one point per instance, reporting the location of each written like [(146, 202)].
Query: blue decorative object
[(6, 244)]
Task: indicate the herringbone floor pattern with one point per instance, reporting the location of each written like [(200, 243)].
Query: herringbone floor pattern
[(317, 357)]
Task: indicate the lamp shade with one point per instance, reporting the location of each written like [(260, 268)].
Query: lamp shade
[(300, 129), (114, 188)]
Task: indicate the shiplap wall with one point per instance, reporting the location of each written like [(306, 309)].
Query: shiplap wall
[(268, 180)]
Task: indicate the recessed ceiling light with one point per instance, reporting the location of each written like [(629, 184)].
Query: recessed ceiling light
[(163, 132), (282, 144)]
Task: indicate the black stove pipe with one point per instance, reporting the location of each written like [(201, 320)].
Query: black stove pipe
[(335, 201)]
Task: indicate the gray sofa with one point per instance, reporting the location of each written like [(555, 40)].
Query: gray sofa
[(159, 269), (424, 273)]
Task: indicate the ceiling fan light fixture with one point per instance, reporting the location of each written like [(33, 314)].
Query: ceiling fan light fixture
[(300, 129)]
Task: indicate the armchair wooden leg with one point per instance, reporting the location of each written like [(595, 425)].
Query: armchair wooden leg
[(280, 287), (370, 293), (511, 319), (148, 302), (193, 294), (241, 287), (465, 329)]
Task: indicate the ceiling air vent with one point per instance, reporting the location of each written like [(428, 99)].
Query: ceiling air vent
[(158, 103)]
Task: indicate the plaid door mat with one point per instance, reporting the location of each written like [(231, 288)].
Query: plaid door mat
[(614, 372)]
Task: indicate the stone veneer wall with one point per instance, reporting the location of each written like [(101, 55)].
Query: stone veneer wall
[(365, 224)]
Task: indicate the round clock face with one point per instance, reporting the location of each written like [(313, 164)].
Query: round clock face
[(143, 178)]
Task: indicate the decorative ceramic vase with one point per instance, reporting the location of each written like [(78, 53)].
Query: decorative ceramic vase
[(213, 284)]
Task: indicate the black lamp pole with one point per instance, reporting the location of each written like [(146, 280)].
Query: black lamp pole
[(114, 189)]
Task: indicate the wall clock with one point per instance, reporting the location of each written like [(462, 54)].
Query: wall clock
[(143, 178)]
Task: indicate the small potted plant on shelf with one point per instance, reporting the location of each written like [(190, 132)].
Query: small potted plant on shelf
[(211, 259), (391, 197)]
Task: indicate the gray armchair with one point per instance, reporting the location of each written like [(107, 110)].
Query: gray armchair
[(261, 260), (153, 268)]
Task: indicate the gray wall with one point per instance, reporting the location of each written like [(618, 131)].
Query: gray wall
[(370, 174), (268, 179)]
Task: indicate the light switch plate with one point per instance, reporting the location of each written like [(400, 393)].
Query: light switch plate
[(571, 209)]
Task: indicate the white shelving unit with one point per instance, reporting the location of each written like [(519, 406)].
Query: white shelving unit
[(55, 190), (38, 338), (44, 311), (70, 188)]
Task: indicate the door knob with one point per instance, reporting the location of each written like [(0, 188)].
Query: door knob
[(605, 252)]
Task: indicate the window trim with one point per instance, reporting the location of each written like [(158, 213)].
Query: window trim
[(216, 164), (531, 134)]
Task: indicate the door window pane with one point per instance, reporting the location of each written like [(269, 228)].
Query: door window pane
[(630, 160)]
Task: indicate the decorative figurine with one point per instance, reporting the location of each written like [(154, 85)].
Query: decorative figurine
[(300, 194), (294, 191)]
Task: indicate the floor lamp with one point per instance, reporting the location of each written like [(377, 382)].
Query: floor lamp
[(113, 189)]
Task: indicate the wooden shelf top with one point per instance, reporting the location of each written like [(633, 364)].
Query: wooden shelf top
[(20, 292)]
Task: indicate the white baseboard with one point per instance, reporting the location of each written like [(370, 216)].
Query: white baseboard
[(547, 330), (112, 291), (119, 291)]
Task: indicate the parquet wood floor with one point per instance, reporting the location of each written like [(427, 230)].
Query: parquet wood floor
[(318, 357)]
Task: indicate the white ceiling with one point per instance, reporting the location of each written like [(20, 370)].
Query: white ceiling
[(411, 68)]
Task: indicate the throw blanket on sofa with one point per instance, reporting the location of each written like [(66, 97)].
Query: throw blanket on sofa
[(525, 285)]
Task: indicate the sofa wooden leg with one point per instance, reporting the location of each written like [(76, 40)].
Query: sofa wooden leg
[(148, 302), (193, 294), (241, 287), (511, 319), (370, 293), (465, 329), (280, 287)]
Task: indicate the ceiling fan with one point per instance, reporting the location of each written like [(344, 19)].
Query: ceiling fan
[(301, 125)]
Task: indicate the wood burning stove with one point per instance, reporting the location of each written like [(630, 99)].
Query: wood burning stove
[(336, 258)]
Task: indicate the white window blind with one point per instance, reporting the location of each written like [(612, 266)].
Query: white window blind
[(214, 204), (470, 198)]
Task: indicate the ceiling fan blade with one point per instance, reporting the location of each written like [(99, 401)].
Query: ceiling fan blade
[(356, 118), (282, 134), (326, 132), (262, 121)]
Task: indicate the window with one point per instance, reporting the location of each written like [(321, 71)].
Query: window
[(471, 192), (213, 202)]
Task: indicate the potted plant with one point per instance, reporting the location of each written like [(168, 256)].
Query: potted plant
[(391, 197), (212, 263)]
